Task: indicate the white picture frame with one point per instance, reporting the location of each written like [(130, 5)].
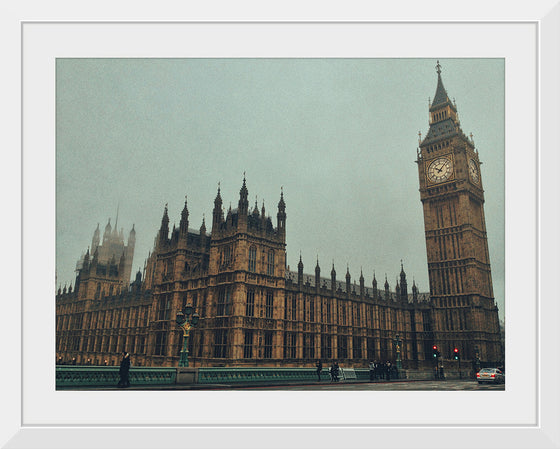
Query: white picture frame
[(34, 417)]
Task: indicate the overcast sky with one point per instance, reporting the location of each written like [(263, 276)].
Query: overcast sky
[(339, 135)]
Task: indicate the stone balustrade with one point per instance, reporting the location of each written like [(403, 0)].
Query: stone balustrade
[(103, 376)]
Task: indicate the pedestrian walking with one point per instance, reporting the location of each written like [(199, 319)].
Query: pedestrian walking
[(336, 372), (123, 370), (388, 370), (375, 370), (319, 366)]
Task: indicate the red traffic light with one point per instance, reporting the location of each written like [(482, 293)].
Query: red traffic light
[(455, 350), (435, 347)]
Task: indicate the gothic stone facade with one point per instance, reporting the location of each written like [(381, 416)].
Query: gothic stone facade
[(255, 312)]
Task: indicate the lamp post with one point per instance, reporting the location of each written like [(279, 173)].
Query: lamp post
[(398, 343), (186, 319)]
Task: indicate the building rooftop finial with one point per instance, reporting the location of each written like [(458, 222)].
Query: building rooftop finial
[(438, 67)]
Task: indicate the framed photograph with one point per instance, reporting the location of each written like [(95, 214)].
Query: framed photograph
[(523, 415)]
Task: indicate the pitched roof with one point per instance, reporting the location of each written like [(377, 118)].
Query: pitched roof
[(441, 94), (439, 130)]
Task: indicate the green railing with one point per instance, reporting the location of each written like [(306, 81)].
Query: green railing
[(106, 376), (362, 373), (249, 375), (101, 376)]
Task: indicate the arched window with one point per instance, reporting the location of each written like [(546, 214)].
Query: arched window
[(270, 264), (224, 302), (253, 259), (248, 344), (250, 308), (269, 309)]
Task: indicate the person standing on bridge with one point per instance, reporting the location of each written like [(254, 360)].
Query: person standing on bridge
[(371, 371), (123, 370), (334, 372), (387, 369), (319, 366)]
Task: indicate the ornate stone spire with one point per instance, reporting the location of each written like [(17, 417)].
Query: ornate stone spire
[(243, 198), (203, 226), (217, 214), (164, 229), (184, 223), (281, 216), (317, 273), (441, 96), (300, 270)]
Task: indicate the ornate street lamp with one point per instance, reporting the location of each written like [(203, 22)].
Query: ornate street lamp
[(186, 319), (398, 343)]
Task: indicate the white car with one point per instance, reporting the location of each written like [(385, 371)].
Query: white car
[(493, 375)]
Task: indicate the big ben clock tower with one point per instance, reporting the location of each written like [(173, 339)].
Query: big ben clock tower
[(452, 195)]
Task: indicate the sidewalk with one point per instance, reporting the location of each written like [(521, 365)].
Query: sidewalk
[(225, 386)]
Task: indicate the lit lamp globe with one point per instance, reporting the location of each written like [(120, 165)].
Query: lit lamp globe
[(180, 318)]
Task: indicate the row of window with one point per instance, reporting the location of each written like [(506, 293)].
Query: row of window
[(98, 294), (308, 349), (223, 304), (440, 115), (448, 281), (138, 316), (136, 344), (269, 304), (249, 344), (102, 343), (220, 345), (252, 267), (455, 319), (345, 314), (104, 319), (199, 308), (438, 146)]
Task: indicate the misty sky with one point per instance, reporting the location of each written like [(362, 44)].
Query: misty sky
[(339, 135)]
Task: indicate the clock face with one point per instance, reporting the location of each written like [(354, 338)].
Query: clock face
[(440, 169), (473, 171)]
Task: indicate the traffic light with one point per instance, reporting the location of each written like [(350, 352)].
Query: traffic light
[(435, 351), (456, 354)]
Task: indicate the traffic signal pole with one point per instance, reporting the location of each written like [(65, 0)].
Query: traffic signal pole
[(439, 362), (458, 358)]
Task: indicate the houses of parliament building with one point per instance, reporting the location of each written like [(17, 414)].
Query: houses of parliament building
[(254, 311)]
